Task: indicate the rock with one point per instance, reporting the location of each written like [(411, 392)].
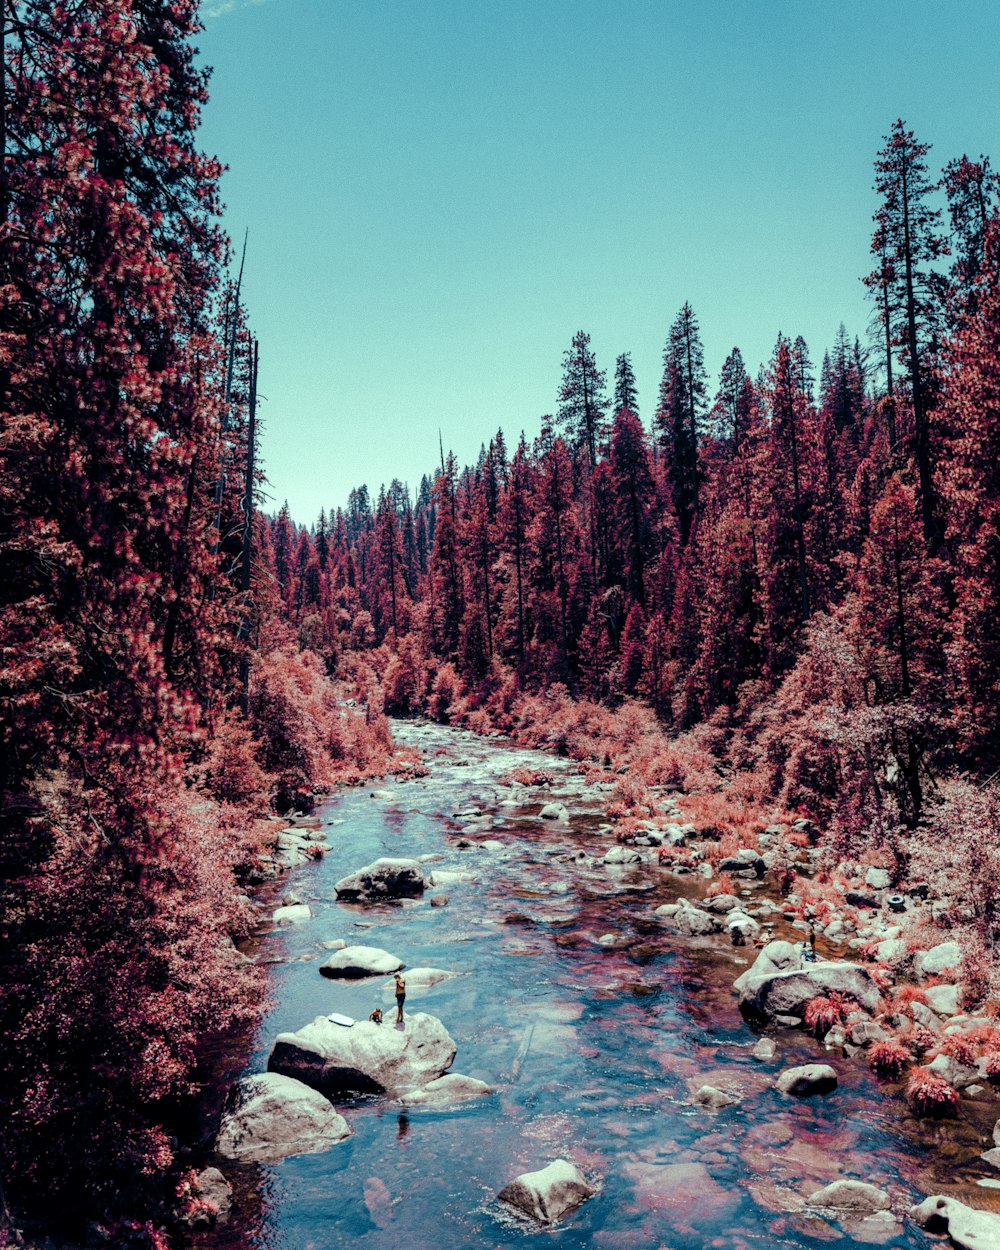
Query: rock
[(745, 859), (992, 1157), (418, 981), (857, 899), (968, 1228), (623, 855), (954, 1073), (712, 1098), (548, 1194), (856, 1196), (893, 951), (867, 1031), (946, 956), (554, 811), (336, 944), (721, 903), (368, 1058), (271, 1115), (440, 877), (810, 1078), (353, 962), (491, 844), (878, 878), (923, 1015), (943, 999), (213, 1197), (787, 993), (294, 913), (692, 921), (764, 1051), (445, 1091), (738, 922), (385, 878), (291, 898), (996, 1133), (775, 957), (440, 900)]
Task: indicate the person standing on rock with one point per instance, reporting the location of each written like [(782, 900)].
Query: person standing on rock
[(400, 997)]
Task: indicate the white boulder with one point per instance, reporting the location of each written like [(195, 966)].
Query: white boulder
[(809, 1079), (368, 1058), (385, 878), (445, 1091), (270, 1116), (548, 1194), (353, 962), (966, 1227)]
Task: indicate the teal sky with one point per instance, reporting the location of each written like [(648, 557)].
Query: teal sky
[(439, 193)]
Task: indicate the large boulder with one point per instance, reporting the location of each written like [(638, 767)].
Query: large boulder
[(270, 1116), (776, 956), (809, 1079), (940, 959), (367, 1058), (548, 1194), (418, 981), (446, 1091), (353, 962), (787, 993), (385, 878), (968, 1228)]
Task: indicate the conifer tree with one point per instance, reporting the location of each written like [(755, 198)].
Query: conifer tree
[(582, 402), (626, 393), (908, 243)]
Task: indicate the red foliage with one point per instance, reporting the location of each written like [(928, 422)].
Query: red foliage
[(888, 1058), (929, 1094), (826, 1010)]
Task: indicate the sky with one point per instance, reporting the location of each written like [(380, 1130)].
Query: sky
[(440, 193)]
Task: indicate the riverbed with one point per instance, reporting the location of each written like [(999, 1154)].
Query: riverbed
[(594, 1050)]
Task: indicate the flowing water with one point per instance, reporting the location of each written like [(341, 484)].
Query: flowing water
[(594, 1051)]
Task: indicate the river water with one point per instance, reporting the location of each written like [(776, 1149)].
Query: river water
[(594, 1052)]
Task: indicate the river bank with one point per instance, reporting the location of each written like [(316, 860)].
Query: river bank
[(595, 1025)]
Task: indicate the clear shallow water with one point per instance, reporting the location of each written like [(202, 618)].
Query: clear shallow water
[(594, 1052)]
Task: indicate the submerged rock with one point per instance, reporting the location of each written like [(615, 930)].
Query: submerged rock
[(809, 1079), (765, 1050), (850, 1195), (271, 1115), (368, 1058), (291, 913), (548, 1194), (968, 1228), (447, 1090), (353, 962), (385, 878), (712, 1098)]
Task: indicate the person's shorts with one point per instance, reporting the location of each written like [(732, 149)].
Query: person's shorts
[(400, 999)]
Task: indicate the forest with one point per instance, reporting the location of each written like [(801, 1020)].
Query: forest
[(777, 590)]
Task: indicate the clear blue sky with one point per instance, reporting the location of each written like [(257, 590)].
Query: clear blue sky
[(439, 193)]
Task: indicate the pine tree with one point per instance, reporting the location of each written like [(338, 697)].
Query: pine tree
[(973, 191), (680, 414), (626, 392), (582, 402), (907, 243)]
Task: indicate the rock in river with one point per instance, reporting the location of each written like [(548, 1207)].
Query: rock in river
[(271, 1116), (767, 993), (385, 878), (810, 1078), (712, 1098), (368, 1058), (360, 961), (968, 1228), (547, 1195), (446, 1091), (856, 1196)]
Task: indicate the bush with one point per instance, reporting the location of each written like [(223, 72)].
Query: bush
[(929, 1094)]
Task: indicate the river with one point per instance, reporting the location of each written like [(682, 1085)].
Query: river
[(594, 1051)]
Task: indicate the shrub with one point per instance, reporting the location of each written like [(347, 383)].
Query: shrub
[(929, 1094), (826, 1010), (888, 1058)]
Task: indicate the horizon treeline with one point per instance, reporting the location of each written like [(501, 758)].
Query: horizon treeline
[(808, 557)]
